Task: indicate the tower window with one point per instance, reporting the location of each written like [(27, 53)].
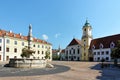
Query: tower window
[(84, 29)]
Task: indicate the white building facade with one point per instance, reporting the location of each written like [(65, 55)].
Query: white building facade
[(72, 51), (11, 46), (101, 48)]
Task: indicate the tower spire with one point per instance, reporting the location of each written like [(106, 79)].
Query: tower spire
[(59, 47), (87, 23)]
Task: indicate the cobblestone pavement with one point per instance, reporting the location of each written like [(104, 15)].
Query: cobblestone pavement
[(64, 70)]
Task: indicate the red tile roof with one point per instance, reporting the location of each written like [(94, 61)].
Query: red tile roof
[(105, 41), (11, 34), (74, 42), (63, 51), (54, 51)]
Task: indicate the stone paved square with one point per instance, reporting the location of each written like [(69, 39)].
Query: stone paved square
[(64, 70)]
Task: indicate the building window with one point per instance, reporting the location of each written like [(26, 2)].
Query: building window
[(15, 50), (0, 57), (8, 41), (15, 42), (42, 52), (34, 45), (84, 54), (0, 48), (73, 51), (70, 51), (94, 53), (98, 58), (74, 57), (78, 51), (42, 46), (0, 40), (15, 57), (66, 51), (107, 58), (85, 29), (69, 56), (22, 43), (98, 53), (38, 46), (38, 52), (7, 58), (102, 52), (107, 52), (7, 49)]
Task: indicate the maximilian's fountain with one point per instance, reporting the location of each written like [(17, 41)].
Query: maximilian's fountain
[(28, 62)]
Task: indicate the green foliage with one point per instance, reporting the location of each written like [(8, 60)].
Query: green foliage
[(26, 52), (56, 57), (47, 54), (116, 51)]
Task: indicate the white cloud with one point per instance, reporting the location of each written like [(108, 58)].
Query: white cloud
[(57, 35), (45, 37)]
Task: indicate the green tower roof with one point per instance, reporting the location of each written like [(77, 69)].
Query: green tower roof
[(87, 24)]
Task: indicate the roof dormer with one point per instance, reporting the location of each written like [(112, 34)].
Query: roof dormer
[(101, 46), (93, 47), (112, 45)]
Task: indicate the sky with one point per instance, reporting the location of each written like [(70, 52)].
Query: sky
[(59, 21)]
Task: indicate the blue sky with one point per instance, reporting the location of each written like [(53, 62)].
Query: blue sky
[(58, 21)]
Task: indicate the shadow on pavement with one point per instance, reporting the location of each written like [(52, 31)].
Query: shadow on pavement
[(11, 72), (107, 73)]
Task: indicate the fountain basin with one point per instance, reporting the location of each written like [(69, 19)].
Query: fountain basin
[(27, 63)]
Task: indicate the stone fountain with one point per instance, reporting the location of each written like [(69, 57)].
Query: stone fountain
[(27, 62)]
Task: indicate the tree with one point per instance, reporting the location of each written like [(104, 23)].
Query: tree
[(26, 52), (116, 52), (47, 54)]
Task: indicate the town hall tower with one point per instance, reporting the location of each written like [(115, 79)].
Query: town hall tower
[(86, 39)]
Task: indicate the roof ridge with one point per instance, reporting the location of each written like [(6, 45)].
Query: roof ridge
[(20, 36), (107, 36)]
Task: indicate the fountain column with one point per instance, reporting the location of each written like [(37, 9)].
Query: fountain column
[(30, 38)]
